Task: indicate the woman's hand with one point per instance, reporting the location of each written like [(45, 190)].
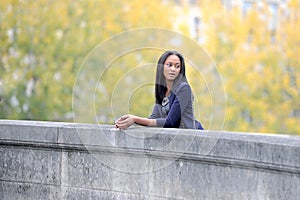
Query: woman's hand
[(125, 121)]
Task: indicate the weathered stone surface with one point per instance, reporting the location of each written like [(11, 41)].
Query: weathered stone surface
[(29, 164), (50, 160), (28, 131), (28, 191)]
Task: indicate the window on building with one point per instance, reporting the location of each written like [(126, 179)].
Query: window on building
[(196, 27), (273, 8), (246, 7)]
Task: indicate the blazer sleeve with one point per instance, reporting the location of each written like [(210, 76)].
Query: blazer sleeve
[(182, 98), (156, 113)]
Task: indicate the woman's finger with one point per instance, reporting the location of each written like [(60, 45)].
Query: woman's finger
[(122, 126), (122, 123), (124, 117)]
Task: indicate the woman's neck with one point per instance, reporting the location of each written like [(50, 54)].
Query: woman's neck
[(169, 84), (169, 87)]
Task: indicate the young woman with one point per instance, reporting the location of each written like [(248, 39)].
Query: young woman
[(173, 97)]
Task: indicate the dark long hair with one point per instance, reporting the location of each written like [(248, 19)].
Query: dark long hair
[(160, 81)]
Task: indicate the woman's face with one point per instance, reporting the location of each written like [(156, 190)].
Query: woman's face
[(172, 67)]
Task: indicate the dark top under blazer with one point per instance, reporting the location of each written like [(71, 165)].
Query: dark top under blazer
[(181, 110)]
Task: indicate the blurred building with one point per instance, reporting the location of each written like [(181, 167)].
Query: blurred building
[(270, 10)]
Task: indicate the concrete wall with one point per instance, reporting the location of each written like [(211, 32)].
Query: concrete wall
[(48, 160)]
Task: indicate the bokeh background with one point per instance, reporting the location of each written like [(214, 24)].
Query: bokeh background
[(254, 44)]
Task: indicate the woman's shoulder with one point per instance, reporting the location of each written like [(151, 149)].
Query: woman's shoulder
[(183, 86)]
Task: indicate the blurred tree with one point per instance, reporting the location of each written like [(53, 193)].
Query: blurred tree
[(44, 42), (259, 65)]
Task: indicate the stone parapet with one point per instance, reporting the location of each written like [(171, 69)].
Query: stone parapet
[(55, 160)]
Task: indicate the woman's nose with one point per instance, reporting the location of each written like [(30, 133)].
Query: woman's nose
[(173, 68)]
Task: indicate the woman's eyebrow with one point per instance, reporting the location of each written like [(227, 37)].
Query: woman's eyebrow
[(173, 62)]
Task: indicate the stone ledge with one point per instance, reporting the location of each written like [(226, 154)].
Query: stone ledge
[(251, 149), (57, 159)]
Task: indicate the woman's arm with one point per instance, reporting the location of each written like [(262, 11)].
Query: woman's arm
[(183, 97), (127, 120)]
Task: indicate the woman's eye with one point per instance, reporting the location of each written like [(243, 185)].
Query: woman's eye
[(170, 65)]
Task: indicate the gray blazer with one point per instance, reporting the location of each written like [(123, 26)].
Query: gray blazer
[(181, 113)]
